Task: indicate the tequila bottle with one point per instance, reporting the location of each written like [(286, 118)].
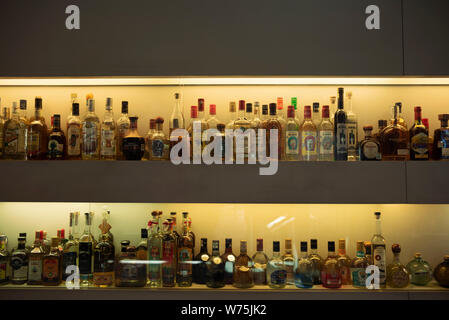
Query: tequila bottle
[(133, 147), (289, 262), (74, 133), (35, 261), (378, 251), (168, 256), (316, 119), (316, 260), (441, 139), (37, 134), (70, 250), (232, 112), (243, 268), (160, 145), (243, 124), (155, 252), (185, 257), (90, 134), (5, 259), (215, 268), (51, 272), (260, 261), (229, 260), (441, 272), (283, 122), (420, 270), (213, 121), (57, 142), (358, 267), (369, 147), (308, 137), (129, 273), (196, 142), (200, 268), (15, 136), (394, 141), (333, 107), (256, 121), (397, 274), (325, 137), (87, 244), (340, 130), (273, 123), (292, 136), (148, 137), (276, 270), (19, 263), (331, 273), (105, 227), (304, 269), (123, 126), (108, 133), (351, 129), (419, 138), (104, 255), (177, 120), (344, 263), (201, 113)]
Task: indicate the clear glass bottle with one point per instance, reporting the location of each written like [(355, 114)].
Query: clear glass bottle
[(394, 140), (256, 121), (185, 257), (308, 137), (148, 137), (243, 124), (74, 133), (283, 122), (276, 270), (441, 272), (317, 261), (419, 138), (358, 267), (316, 119), (289, 261), (352, 130), (35, 261), (215, 268), (378, 250), (51, 271), (369, 147), (195, 139), (133, 144), (340, 130), (15, 136), (168, 256), (19, 263), (104, 256), (243, 268), (108, 133), (325, 136), (200, 268), (201, 113), (331, 273), (90, 133), (70, 249), (5, 259), (440, 149), (260, 261), (87, 244), (37, 134), (128, 273), (400, 118), (57, 142), (232, 113), (273, 123), (420, 270), (304, 269), (123, 126), (177, 120), (213, 121), (2, 125), (160, 145), (229, 260), (344, 263), (292, 146), (397, 274), (332, 107), (155, 252)]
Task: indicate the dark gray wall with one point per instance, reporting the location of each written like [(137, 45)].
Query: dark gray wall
[(199, 37)]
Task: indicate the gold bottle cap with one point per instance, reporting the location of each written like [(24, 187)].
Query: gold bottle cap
[(360, 245), (54, 241), (342, 244)]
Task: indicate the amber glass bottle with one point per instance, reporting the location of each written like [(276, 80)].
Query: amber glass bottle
[(394, 141), (419, 138)]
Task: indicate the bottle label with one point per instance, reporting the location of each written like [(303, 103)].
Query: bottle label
[(341, 139), (370, 150), (292, 145), (331, 279), (278, 277), (444, 144), (73, 146), (168, 269), (358, 277), (157, 148), (68, 259), (55, 149), (420, 145), (90, 139), (107, 142), (11, 141), (185, 256), (259, 275), (154, 270), (19, 267), (400, 278), (35, 269), (308, 146), (85, 257), (351, 129), (326, 142), (51, 269), (3, 271), (379, 261), (103, 278), (129, 272), (34, 143)]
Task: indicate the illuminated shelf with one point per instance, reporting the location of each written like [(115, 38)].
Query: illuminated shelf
[(201, 292)]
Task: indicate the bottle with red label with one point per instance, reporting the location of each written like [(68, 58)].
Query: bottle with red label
[(308, 137), (344, 262), (168, 256), (51, 265), (331, 272)]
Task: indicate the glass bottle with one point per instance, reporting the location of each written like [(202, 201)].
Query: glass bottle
[(325, 136), (195, 139), (419, 138), (201, 113), (213, 121), (57, 142), (19, 263), (352, 130), (292, 136), (232, 112), (256, 121), (243, 124), (264, 116), (51, 271), (229, 260), (316, 119), (87, 244), (37, 134), (420, 270), (441, 139), (188, 221), (200, 267), (105, 227), (316, 260), (425, 122), (15, 136), (340, 130), (35, 261), (344, 263), (160, 145), (369, 147), (70, 250), (304, 269), (381, 124), (74, 133), (128, 273), (5, 259), (185, 257), (289, 261), (2, 125), (215, 268), (133, 144), (243, 268), (90, 133), (123, 126), (400, 119), (441, 272), (104, 255), (46, 244), (148, 141), (108, 133), (155, 252), (177, 120), (358, 267), (260, 261), (368, 255), (378, 250), (397, 274), (394, 141), (273, 123), (276, 270), (283, 122), (331, 272), (308, 137), (168, 256), (333, 107)]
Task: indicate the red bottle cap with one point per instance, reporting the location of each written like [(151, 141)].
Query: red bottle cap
[(241, 105), (280, 103), (307, 112), (62, 234), (201, 105), (259, 244), (213, 109), (290, 112), (193, 112), (425, 122), (325, 111)]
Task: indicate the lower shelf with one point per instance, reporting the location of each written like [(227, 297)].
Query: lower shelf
[(200, 292)]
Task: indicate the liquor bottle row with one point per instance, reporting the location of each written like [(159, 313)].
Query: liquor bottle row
[(322, 135), (166, 258)]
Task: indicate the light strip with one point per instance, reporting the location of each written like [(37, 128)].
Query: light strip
[(221, 81)]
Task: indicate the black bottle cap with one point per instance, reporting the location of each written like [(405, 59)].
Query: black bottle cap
[(382, 123), (22, 235), (215, 244), (276, 246), (316, 107), (76, 109), (38, 103), (265, 109), (313, 244), (377, 214), (23, 104), (249, 107), (228, 242), (143, 233), (173, 213), (124, 106), (331, 246), (303, 246), (273, 108)]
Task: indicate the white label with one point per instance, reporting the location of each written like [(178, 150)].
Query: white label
[(351, 135), (292, 146), (370, 150), (107, 142), (73, 137), (326, 142), (35, 270), (342, 145)]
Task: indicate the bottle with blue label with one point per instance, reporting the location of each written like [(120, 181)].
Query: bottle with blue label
[(276, 271), (358, 267)]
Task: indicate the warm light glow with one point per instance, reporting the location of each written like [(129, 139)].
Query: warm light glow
[(201, 81)]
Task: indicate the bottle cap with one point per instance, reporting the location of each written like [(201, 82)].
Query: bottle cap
[(228, 242), (367, 245), (62, 234), (221, 127), (125, 107), (91, 105), (144, 233), (232, 106), (159, 120), (109, 104), (303, 245), (201, 105), (367, 128), (382, 123), (290, 112), (193, 112), (316, 107), (417, 109), (325, 111), (342, 244), (76, 109), (38, 103), (265, 109), (280, 103), (249, 108), (307, 112), (22, 235), (396, 248), (152, 123), (276, 246), (425, 122), (23, 104), (259, 244), (273, 109), (215, 245), (241, 105), (443, 116), (313, 244), (212, 109), (418, 255), (177, 96), (377, 214), (288, 244), (331, 246)]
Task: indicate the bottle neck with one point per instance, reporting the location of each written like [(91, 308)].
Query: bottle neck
[(444, 123), (276, 254), (378, 227), (396, 258), (418, 118), (303, 254), (368, 134)]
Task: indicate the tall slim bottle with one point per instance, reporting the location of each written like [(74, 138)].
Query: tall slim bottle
[(308, 137), (379, 251), (352, 129), (229, 261), (304, 269), (87, 244), (70, 250), (200, 268), (90, 134), (340, 130), (37, 134), (325, 137), (57, 142), (108, 133), (168, 256), (344, 262), (19, 263), (358, 267), (283, 122), (276, 270), (15, 134), (317, 261), (331, 272), (289, 261), (74, 133), (177, 120), (215, 277), (155, 252), (123, 125)]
